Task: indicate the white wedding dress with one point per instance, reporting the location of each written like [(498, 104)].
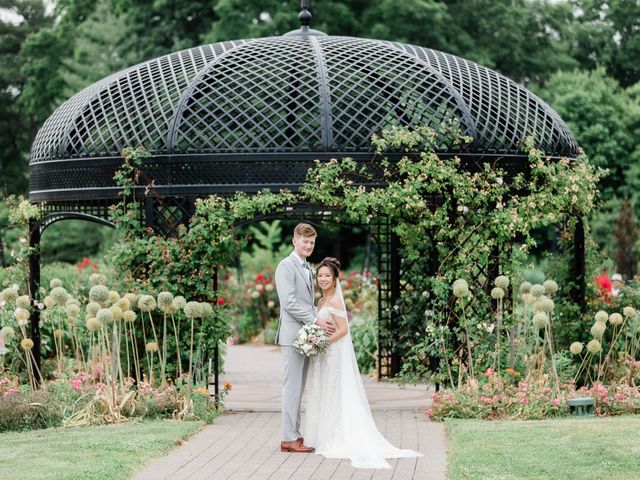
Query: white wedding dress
[(338, 420)]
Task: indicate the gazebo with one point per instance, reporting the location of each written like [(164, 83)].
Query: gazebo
[(253, 114)]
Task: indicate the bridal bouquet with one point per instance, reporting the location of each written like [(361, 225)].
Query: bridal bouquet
[(311, 341)]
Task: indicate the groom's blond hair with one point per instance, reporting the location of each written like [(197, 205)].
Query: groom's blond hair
[(304, 230)]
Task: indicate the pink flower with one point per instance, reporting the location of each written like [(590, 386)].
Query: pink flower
[(524, 400), (430, 412), (555, 402), (489, 372), (75, 384)]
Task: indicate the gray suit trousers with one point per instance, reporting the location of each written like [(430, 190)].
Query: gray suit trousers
[(295, 375)]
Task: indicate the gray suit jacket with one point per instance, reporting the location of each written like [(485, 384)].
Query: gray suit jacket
[(296, 299)]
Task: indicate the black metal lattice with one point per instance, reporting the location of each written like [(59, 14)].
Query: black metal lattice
[(257, 112)]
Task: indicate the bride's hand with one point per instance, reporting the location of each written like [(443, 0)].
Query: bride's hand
[(329, 326)]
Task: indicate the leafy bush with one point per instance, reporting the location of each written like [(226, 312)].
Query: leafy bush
[(364, 333)]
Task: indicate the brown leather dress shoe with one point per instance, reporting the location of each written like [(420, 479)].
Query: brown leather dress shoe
[(300, 440), (295, 447)]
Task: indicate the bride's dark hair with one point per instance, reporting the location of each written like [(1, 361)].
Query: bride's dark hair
[(332, 263)]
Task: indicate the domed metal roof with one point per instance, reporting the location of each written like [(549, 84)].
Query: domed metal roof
[(276, 104)]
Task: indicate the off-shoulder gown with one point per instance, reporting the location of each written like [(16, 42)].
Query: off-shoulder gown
[(338, 420)]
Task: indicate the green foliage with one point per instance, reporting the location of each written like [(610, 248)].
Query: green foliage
[(604, 118), (268, 247), (364, 333), (104, 46)]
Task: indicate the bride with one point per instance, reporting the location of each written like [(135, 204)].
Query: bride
[(338, 420)]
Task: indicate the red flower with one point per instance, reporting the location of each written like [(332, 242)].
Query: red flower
[(220, 301), (259, 277), (353, 272)]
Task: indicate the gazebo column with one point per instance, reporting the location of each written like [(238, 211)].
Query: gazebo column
[(34, 287), (579, 273), (216, 351), (395, 297)]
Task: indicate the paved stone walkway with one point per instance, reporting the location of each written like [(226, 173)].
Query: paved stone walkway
[(244, 443)]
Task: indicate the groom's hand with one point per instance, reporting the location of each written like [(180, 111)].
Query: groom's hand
[(328, 325)]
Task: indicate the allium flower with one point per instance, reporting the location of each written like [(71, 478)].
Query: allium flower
[(629, 312), (49, 302), (58, 333), (528, 298), (72, 301), (21, 315), (461, 288), (497, 293), (206, 309), (615, 319), (116, 312), (73, 310), (594, 347), (9, 295), (551, 287), (99, 294), (602, 316), (576, 348), (165, 300), (178, 302), (59, 295), (124, 304), (545, 304), (8, 333), (55, 282), (151, 347), (146, 303), (537, 290), (97, 279), (598, 329), (192, 310), (104, 316), (502, 281), (23, 301), (540, 320), (26, 344), (93, 324), (92, 308), (129, 316), (132, 297), (113, 297)]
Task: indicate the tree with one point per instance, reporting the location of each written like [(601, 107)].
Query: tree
[(604, 118), (627, 235), (104, 45), (17, 126), (607, 33)]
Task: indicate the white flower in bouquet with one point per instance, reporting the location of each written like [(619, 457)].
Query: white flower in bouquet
[(311, 341)]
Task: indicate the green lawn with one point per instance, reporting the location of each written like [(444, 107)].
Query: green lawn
[(108, 452), (567, 449)]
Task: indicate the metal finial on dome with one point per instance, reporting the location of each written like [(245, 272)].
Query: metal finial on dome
[(305, 14), (305, 20)]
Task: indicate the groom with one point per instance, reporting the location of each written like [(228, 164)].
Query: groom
[(294, 284)]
